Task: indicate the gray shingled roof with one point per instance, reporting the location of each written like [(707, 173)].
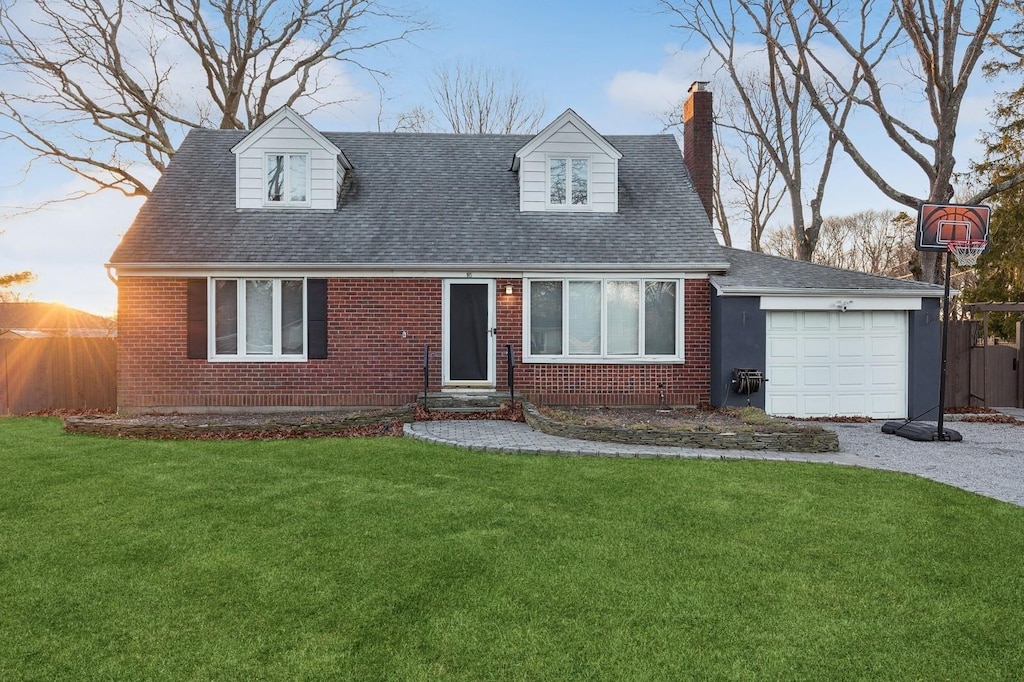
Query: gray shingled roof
[(422, 199), (760, 274)]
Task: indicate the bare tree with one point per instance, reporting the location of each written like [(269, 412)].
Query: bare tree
[(746, 180), (880, 242), (777, 106), (417, 120), (779, 241), (760, 192), (873, 241), (720, 215), (938, 44), (754, 193), (470, 98), (106, 88)]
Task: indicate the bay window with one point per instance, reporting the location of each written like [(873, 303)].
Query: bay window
[(258, 319), (615, 318)]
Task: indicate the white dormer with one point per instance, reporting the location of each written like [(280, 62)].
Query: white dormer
[(568, 166), (287, 163)]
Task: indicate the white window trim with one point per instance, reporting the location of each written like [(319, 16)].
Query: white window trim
[(241, 356), (568, 205), (604, 357), (287, 173)]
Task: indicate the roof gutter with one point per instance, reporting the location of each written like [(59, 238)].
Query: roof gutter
[(463, 269), (776, 291)]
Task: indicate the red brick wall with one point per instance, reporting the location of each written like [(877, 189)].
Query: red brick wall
[(687, 383), (698, 142), (369, 362)]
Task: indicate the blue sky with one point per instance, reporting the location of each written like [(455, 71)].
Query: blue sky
[(618, 64)]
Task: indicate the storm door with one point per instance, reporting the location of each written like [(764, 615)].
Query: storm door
[(469, 333)]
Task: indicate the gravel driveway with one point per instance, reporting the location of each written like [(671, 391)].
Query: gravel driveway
[(989, 460)]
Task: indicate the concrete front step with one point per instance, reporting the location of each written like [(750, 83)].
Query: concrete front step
[(467, 410), (466, 402)]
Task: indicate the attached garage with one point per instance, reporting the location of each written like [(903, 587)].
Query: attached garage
[(828, 341), (821, 363)]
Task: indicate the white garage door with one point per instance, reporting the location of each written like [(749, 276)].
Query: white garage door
[(824, 363)]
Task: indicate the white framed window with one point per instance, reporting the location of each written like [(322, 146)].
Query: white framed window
[(257, 319), (287, 179), (609, 319), (569, 181)]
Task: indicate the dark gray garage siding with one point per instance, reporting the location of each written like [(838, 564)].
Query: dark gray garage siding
[(738, 336)]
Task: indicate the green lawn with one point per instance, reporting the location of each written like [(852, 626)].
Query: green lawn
[(389, 559)]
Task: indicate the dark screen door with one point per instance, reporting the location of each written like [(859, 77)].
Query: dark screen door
[(468, 332)]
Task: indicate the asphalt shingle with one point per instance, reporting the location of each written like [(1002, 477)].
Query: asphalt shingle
[(760, 273), (450, 200), (422, 199)]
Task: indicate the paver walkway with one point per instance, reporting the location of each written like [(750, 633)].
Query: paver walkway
[(989, 461), (519, 438)]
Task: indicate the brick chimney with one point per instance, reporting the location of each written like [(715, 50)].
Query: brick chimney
[(698, 135)]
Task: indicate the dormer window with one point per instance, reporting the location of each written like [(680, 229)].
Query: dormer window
[(287, 179), (288, 164), (568, 167), (568, 181)]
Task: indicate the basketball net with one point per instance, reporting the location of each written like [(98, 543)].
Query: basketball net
[(967, 251)]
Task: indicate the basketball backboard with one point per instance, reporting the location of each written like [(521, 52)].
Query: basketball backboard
[(939, 224)]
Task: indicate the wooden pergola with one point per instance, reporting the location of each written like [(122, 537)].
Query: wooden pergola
[(986, 308), (995, 307)]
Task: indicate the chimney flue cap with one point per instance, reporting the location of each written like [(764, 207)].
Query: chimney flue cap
[(699, 86)]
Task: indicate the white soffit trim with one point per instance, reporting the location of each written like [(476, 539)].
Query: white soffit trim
[(781, 292), (278, 116), (556, 125), (840, 302)]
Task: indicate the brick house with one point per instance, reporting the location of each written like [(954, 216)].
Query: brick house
[(285, 268)]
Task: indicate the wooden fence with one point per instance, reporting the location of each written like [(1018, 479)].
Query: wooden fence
[(57, 373), (989, 375)]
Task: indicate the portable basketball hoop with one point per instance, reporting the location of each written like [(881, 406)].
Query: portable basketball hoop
[(962, 232), (967, 251)]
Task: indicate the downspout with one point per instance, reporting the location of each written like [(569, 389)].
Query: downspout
[(111, 273)]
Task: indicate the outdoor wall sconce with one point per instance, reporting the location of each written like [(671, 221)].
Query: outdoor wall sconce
[(508, 289)]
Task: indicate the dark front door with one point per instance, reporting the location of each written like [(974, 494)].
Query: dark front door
[(468, 332)]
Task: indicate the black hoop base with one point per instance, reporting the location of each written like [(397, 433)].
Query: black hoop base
[(921, 431)]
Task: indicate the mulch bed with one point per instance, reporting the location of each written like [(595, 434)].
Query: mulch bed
[(69, 413), (993, 419), (506, 412), (388, 429), (971, 409), (834, 418)]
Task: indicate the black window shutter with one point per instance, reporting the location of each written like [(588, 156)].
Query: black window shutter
[(316, 324), (197, 345)]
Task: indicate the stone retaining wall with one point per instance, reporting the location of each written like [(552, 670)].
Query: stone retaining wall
[(808, 439), (236, 425)]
